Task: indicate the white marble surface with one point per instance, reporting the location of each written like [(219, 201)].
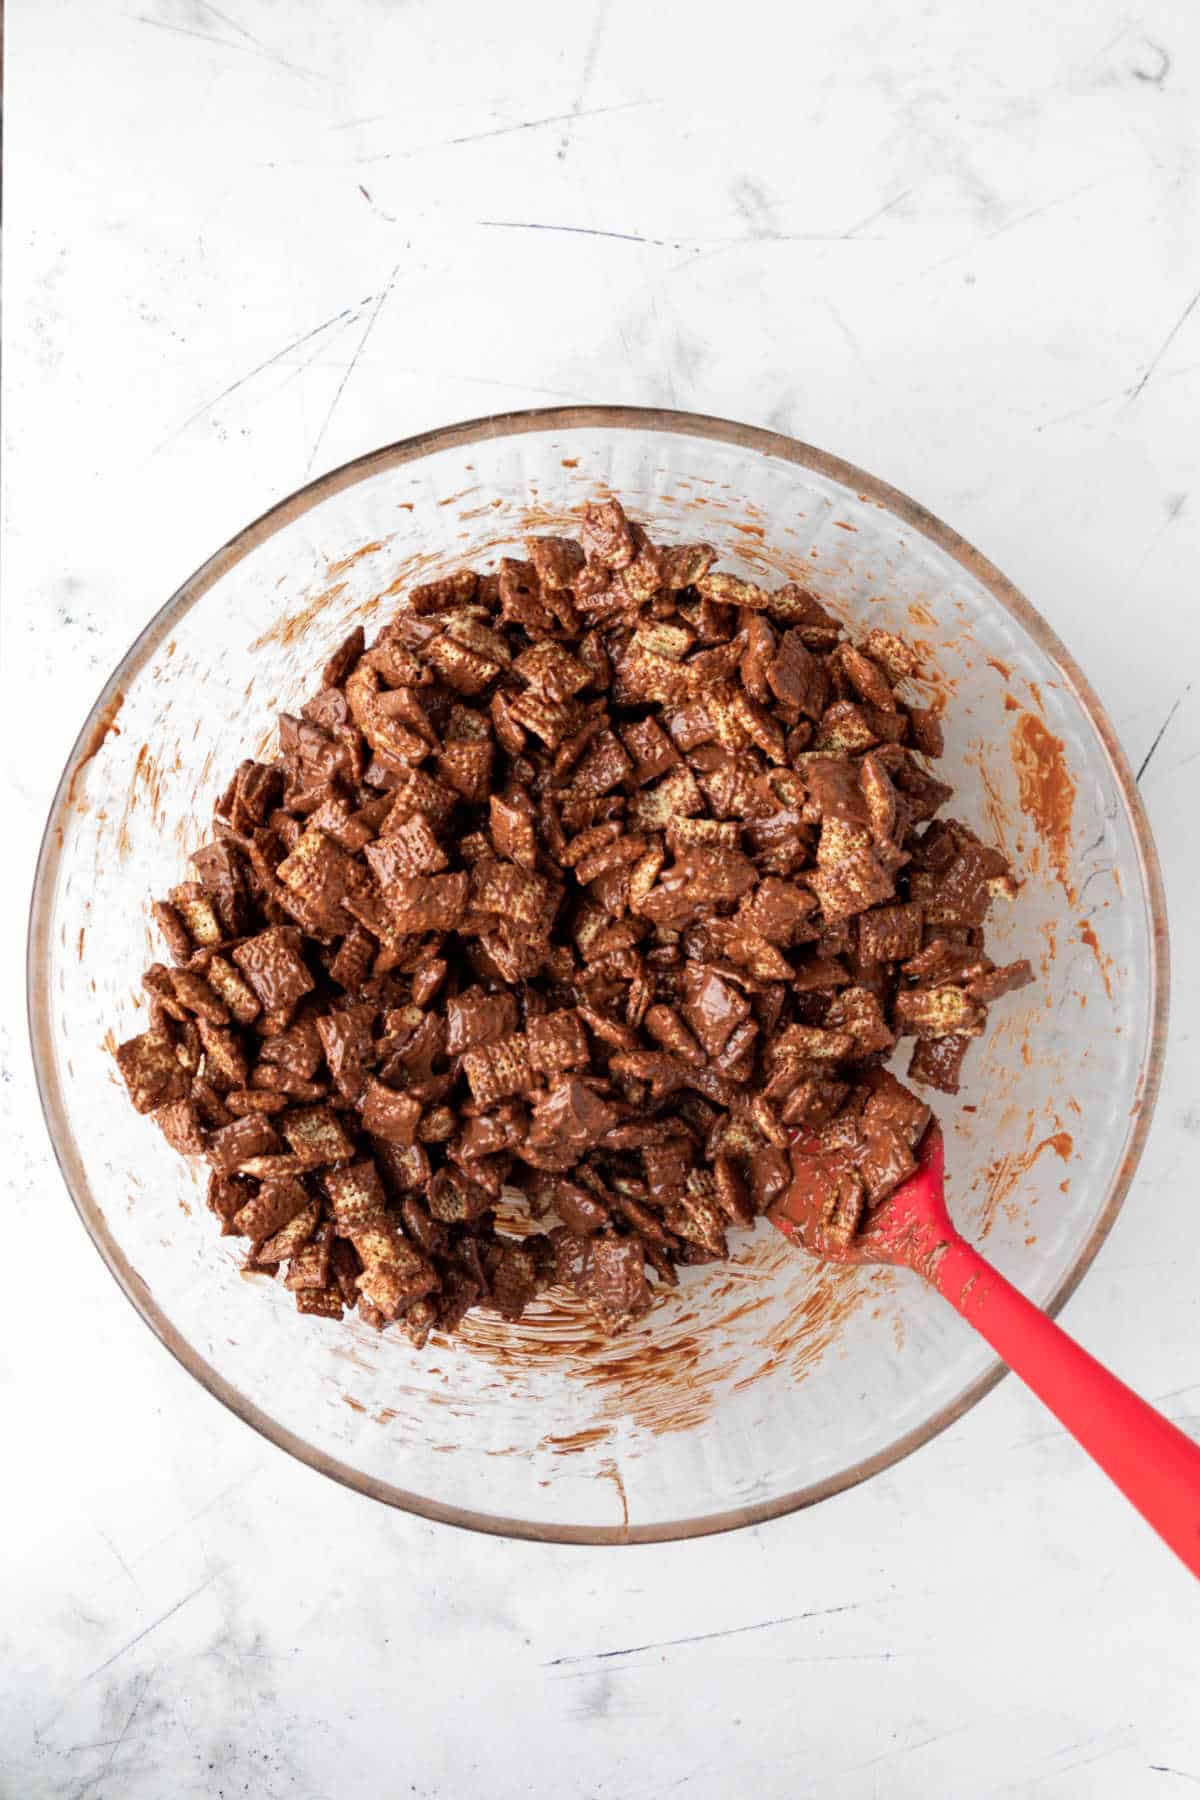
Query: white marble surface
[(958, 245)]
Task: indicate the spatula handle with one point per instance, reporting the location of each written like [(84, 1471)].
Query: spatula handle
[(1153, 1463)]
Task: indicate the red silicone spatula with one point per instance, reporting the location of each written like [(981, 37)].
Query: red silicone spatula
[(1150, 1460)]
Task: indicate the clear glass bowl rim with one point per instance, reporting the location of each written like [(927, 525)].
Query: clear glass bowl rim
[(406, 450)]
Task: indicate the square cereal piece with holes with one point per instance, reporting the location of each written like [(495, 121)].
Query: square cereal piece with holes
[(444, 592), (801, 1044), (852, 886), (179, 1122), (467, 768), (889, 933), (198, 912), (879, 797), (225, 1065), (604, 767), (415, 792), (644, 874), (177, 938), (937, 1062), (939, 1012), (220, 873), (409, 849), (856, 1010), (316, 1134), (274, 1168), (346, 1039), (730, 786), (556, 560), (690, 726), (310, 1264), (497, 1070), (896, 1108), (607, 535), (959, 894), (697, 1218), (896, 658), (834, 1196), (255, 790), (652, 751), (715, 874), (866, 677), (557, 1041), (694, 834), (454, 1199), (193, 995), (676, 796), (755, 953), (369, 909), (663, 638), (394, 1284), (845, 728), (275, 1205), (357, 1197), (460, 667), (457, 1296), (291, 1238), (403, 1170), (418, 1322), (466, 626), (607, 859), (321, 874), (342, 662), (320, 1303), (551, 720), (666, 1168), (345, 1265), (235, 992), (644, 674), (995, 983), (522, 899), (352, 963), (274, 967), (157, 981), (152, 1071), (793, 605), (240, 1101), (639, 580), (731, 590), (390, 1115), (797, 678), (552, 671), (683, 565), (512, 828), (187, 1044), (780, 911), (419, 903), (240, 1142), (227, 1194), (926, 730), (297, 1048), (476, 1018), (843, 845), (569, 1117), (513, 1274)]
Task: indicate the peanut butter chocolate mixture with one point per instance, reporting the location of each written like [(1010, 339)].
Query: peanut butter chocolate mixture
[(606, 877)]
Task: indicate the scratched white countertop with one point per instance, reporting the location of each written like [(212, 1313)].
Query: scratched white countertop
[(958, 245)]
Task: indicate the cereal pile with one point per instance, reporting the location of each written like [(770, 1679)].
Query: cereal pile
[(606, 878)]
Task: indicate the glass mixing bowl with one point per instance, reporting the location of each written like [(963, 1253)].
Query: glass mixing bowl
[(760, 1385)]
